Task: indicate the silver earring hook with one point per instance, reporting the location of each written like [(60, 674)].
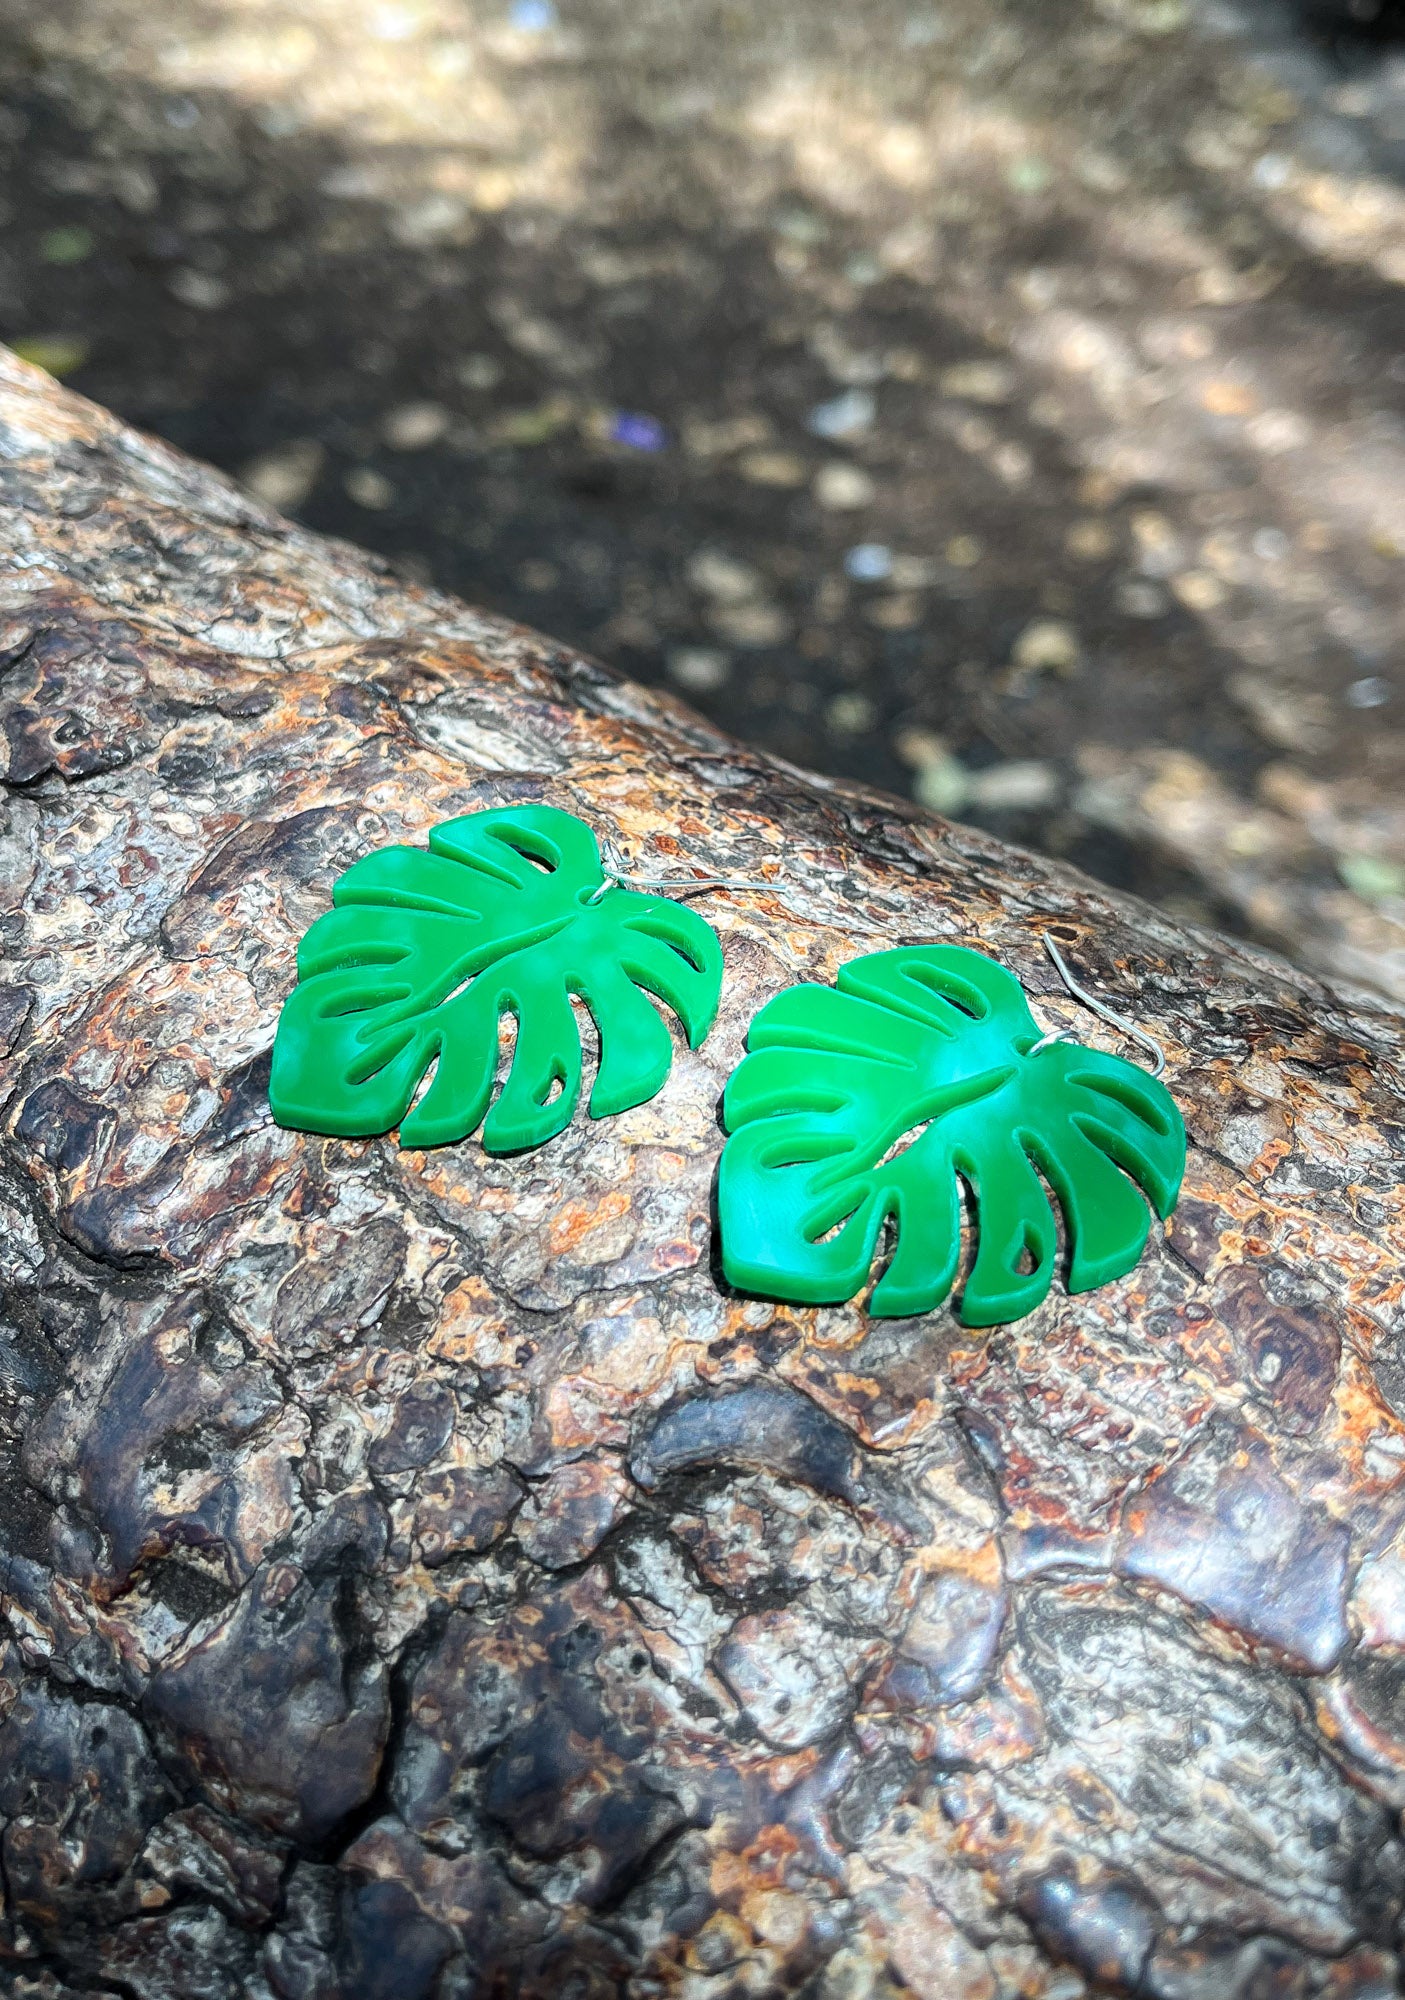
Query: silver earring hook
[(679, 885), (692, 885), (1106, 1013)]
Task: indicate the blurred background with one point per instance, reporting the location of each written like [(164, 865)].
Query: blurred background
[(997, 401)]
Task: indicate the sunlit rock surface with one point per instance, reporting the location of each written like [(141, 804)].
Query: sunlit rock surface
[(421, 1579)]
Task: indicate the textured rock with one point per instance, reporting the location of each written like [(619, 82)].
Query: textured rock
[(421, 1578)]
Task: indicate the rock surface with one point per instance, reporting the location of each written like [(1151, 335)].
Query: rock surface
[(421, 1579)]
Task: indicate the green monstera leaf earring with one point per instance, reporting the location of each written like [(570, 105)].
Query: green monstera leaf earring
[(509, 912), (936, 1045)]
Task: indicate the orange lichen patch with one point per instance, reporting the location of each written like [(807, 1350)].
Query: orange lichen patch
[(677, 1255), (1367, 1272), (1002, 1727), (779, 1917), (764, 1863), (1346, 1721), (628, 1348), (934, 1958), (577, 1221), (579, 1412), (1358, 1972), (723, 1943), (869, 1406), (979, 1563), (472, 1330), (493, 1200), (1361, 1470)]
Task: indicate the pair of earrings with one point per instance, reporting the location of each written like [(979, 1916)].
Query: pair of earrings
[(857, 1106)]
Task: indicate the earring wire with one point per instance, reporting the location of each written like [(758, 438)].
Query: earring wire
[(700, 884), (1106, 1013), (679, 885)]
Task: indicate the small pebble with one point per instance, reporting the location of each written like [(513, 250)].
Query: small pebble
[(919, 747), (705, 439), (537, 425), (1047, 645), (1021, 785), (1227, 398), (1371, 876), (1276, 431), (494, 190), (1091, 540), (1351, 100), (284, 477), (1369, 692), (854, 367), (199, 289), (369, 488), (352, 183), (773, 468), (637, 432), (479, 371), (699, 669), (1030, 176), (632, 628), (869, 562), (846, 416), (750, 625), (921, 30), (393, 24), (1012, 462), (66, 246), (942, 786), (963, 551), (843, 488), (725, 578), (1139, 599), (1159, 549), (1272, 170), (414, 425), (899, 612), (1198, 590), (450, 60), (536, 574), (417, 225), (800, 225), (978, 381), (850, 715)]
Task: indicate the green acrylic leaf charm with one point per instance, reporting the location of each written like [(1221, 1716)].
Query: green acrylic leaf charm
[(424, 952), (934, 1040)]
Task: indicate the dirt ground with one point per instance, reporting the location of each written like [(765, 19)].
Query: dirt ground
[(997, 402)]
